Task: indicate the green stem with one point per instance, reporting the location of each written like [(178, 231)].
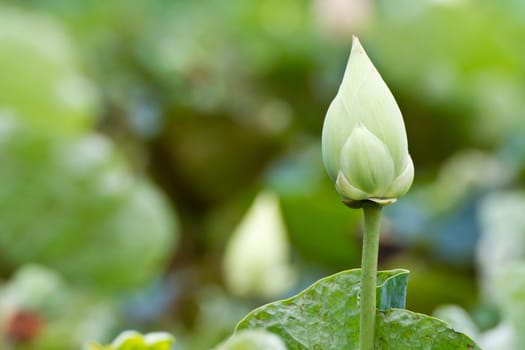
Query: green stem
[(372, 214)]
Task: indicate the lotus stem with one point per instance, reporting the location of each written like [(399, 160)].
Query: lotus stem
[(372, 218)]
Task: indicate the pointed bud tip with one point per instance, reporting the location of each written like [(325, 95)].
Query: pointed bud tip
[(356, 44)]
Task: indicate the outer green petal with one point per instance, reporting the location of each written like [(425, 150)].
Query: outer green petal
[(348, 191), (384, 201), (336, 130), (402, 183), (366, 98), (366, 162)]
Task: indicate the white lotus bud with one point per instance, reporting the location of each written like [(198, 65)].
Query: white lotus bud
[(257, 257), (365, 149)]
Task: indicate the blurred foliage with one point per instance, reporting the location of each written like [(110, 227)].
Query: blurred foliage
[(214, 102), (89, 218), (40, 78), (38, 303)]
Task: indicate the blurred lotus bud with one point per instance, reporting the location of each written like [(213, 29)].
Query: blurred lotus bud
[(256, 260), (253, 340), (459, 319), (502, 238), (503, 336), (365, 149)]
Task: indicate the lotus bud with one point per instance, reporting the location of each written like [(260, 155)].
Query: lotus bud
[(257, 258), (365, 149)]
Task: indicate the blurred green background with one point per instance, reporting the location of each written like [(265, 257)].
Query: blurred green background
[(135, 137)]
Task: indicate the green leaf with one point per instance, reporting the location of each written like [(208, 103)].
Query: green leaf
[(403, 329), (320, 314), (391, 288), (326, 316)]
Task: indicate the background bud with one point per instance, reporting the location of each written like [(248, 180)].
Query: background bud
[(257, 258)]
